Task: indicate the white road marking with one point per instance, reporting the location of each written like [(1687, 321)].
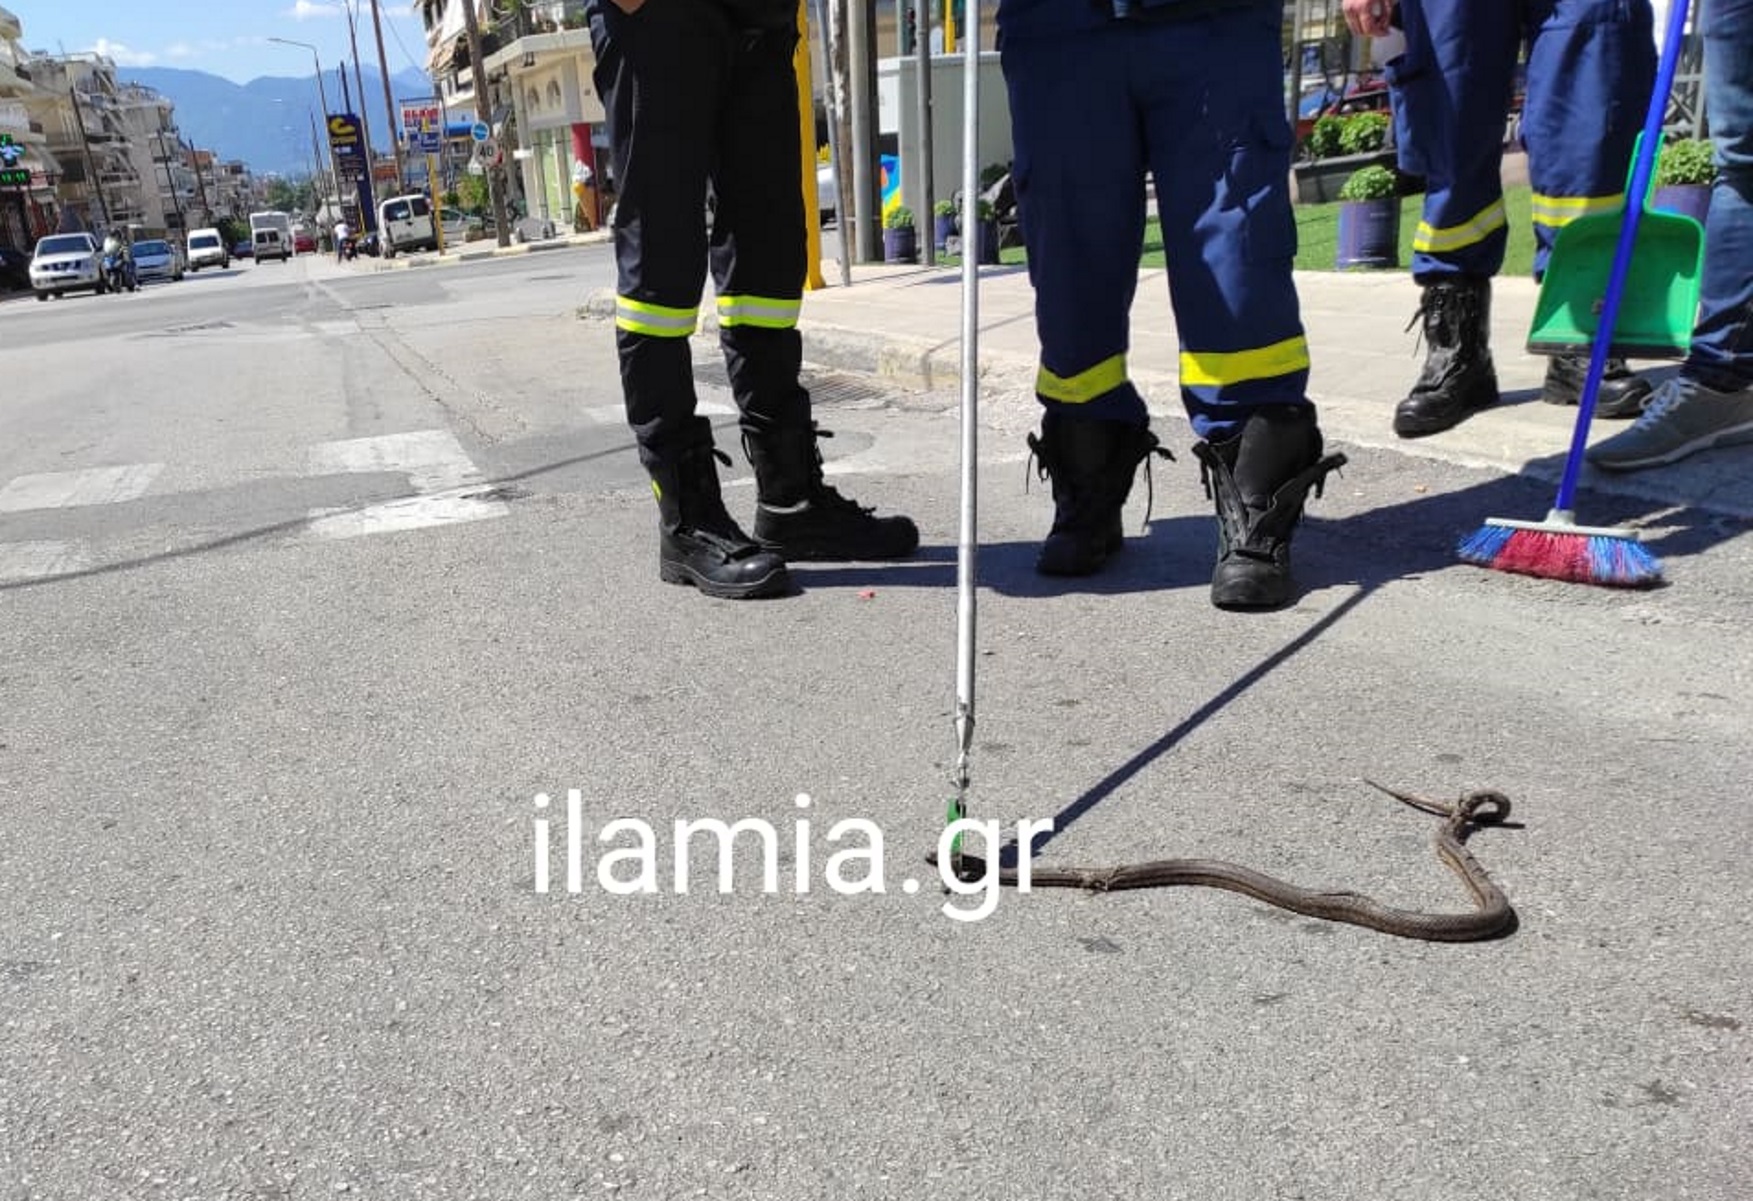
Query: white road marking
[(450, 507), (432, 459), (616, 414), (443, 476), (66, 489), (36, 560)]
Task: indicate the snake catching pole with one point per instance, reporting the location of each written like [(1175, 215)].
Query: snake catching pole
[(968, 538)]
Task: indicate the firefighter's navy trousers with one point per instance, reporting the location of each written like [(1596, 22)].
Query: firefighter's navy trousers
[(1198, 104), (1591, 67), (697, 96)]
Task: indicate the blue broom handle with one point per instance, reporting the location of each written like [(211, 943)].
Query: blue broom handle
[(1643, 166)]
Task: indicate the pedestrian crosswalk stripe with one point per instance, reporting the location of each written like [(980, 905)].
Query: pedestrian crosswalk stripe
[(38, 560), (449, 507), (68, 489), (616, 414), (444, 478)]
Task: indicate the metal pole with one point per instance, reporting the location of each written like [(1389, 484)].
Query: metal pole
[(866, 190), (968, 537), (835, 152), (389, 105), (927, 185), (322, 95), (1296, 63), (367, 187)]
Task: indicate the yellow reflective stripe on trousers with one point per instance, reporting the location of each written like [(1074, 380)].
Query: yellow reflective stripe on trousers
[(636, 316), (1085, 386), (765, 312), (1559, 211), (1217, 368), (1489, 220)]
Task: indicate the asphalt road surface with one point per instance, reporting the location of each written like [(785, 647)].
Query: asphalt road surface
[(316, 582)]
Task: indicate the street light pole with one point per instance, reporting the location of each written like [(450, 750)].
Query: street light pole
[(368, 188), (323, 95)]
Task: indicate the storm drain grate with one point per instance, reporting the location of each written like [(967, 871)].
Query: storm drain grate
[(825, 387)]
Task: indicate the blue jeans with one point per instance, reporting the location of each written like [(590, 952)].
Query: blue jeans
[(1722, 344)]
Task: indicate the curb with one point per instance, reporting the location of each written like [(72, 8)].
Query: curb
[(450, 258)]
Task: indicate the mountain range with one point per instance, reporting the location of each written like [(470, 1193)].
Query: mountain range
[(267, 121)]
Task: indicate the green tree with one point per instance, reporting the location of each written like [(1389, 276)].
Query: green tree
[(473, 194)]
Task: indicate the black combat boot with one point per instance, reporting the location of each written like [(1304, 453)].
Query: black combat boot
[(699, 543), (1458, 377), (1092, 465), (1622, 394), (799, 516), (1259, 480)]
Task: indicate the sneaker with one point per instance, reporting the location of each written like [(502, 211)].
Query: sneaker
[(1682, 418)]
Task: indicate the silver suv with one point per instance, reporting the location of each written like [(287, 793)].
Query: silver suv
[(67, 263)]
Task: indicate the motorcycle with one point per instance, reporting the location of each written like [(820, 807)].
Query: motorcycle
[(118, 271)]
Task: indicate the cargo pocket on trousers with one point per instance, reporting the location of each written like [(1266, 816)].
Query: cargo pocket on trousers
[(1259, 184)]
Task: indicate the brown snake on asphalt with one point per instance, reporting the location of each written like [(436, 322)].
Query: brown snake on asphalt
[(1491, 917)]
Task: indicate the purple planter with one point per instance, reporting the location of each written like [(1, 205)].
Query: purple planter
[(901, 245), (1369, 233), (987, 244), (1691, 199), (943, 229)]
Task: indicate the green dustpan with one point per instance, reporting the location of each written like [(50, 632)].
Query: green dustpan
[(1660, 303)]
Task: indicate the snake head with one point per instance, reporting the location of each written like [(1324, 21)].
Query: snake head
[(1484, 807)]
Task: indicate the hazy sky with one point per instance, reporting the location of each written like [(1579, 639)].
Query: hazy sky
[(224, 37)]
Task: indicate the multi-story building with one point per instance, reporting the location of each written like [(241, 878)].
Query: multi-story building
[(169, 199), (542, 108), (234, 189), (99, 186), (27, 199)]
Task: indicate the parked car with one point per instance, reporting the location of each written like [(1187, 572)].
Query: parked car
[(67, 263), (207, 249), (457, 226), (14, 268), (243, 250), (156, 258)]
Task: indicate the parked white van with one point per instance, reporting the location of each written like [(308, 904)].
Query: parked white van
[(207, 248), (405, 223)]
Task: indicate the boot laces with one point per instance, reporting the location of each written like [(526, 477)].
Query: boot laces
[(1041, 464)]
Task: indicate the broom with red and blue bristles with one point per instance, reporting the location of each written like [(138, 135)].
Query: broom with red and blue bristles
[(1558, 548)]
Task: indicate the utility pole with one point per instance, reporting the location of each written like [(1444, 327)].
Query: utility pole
[(495, 184), (200, 180), (85, 144), (171, 179), (389, 105)]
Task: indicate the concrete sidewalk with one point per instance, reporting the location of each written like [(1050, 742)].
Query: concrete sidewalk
[(905, 323)]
